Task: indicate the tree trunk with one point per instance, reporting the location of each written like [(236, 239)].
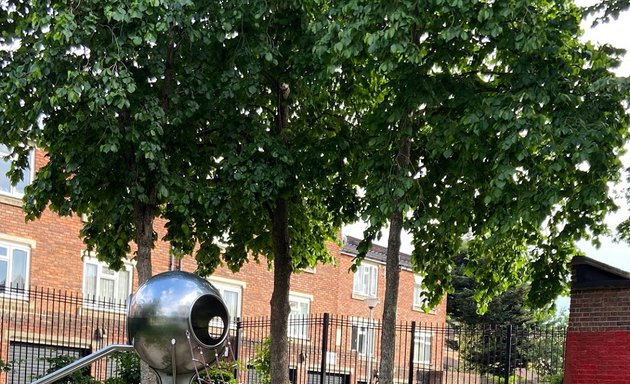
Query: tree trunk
[(144, 215), (282, 268), (388, 335), (392, 273), (279, 347)]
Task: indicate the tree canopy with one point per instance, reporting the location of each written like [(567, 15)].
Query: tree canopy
[(515, 126), (510, 307), (249, 126), (490, 121), (605, 10), (112, 94), (216, 117)]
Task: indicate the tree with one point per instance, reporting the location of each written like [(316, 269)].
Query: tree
[(105, 89), (59, 361), (489, 120), (277, 186), (482, 341), (547, 355), (603, 11), (213, 116), (116, 94), (509, 307), (245, 124), (607, 9)]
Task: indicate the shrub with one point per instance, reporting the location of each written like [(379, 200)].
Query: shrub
[(262, 362), (555, 378), (5, 366), (127, 368), (57, 362), (220, 373)]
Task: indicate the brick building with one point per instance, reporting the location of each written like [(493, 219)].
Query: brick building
[(599, 324), (328, 288), (48, 253)]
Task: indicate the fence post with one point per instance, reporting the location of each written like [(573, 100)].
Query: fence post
[(412, 350), (322, 374), (237, 346), (508, 354)]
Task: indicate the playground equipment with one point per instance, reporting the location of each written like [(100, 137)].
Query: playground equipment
[(177, 323)]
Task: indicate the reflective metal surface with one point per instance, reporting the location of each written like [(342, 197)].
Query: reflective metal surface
[(173, 319)]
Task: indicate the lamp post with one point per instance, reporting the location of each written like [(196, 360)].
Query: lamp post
[(371, 302)]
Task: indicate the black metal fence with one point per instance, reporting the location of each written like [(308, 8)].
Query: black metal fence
[(345, 350), (37, 325)]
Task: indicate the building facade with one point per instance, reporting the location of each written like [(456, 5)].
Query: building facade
[(599, 324), (48, 254)]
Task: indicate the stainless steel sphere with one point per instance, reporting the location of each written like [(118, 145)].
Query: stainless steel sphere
[(170, 313)]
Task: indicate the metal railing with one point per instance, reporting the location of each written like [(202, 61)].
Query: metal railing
[(39, 325), (344, 350)]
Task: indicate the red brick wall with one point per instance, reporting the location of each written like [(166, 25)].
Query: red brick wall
[(331, 287), (56, 263), (56, 258), (597, 357), (598, 339)]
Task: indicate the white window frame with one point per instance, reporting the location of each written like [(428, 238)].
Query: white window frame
[(309, 269), (367, 330), (422, 339), (233, 286), (98, 302), (300, 330), (11, 246), (13, 192), (365, 282), (418, 292)]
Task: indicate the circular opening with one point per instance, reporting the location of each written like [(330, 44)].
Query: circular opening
[(216, 326), (209, 321)]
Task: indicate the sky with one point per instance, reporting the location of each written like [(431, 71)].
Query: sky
[(616, 33)]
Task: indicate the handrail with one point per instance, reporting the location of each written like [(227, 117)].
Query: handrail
[(82, 362)]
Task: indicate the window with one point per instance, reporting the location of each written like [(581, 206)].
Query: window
[(33, 360), (362, 338), (418, 292), (298, 317), (308, 269), (422, 348), (419, 296), (14, 266), (365, 280), (314, 377), (105, 288), (231, 294), (6, 188)]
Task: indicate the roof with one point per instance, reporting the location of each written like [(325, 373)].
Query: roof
[(590, 273), (376, 253)]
